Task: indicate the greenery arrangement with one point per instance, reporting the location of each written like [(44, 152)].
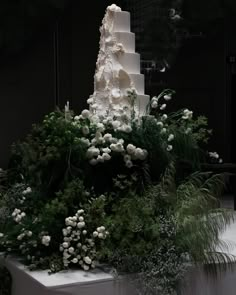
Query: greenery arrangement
[(83, 191)]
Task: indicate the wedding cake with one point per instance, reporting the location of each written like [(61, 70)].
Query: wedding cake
[(117, 69)]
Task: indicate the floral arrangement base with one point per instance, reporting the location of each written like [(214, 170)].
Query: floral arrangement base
[(71, 282)]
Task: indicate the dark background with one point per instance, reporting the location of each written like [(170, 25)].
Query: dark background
[(56, 63)]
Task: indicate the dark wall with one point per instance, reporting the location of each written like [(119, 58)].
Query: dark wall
[(201, 78), (26, 91), (57, 66)]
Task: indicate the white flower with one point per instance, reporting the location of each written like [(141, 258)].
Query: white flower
[(81, 218), (163, 131), (85, 114), (169, 148), (163, 106), (130, 149), (100, 159), (129, 164), (71, 250), (85, 130), (220, 161), (102, 228), (100, 127), (92, 152), (85, 267), (1, 235), (16, 212), (74, 260), (81, 224), (127, 158), (127, 128), (160, 124), (80, 211), (106, 157), (140, 154), (187, 114), (167, 97), (27, 191), (164, 117), (188, 130), (100, 235), (214, 155), (84, 232), (29, 233), (114, 8), (76, 118), (46, 240), (106, 150), (171, 137), (154, 104), (115, 124), (107, 137), (85, 141), (87, 260), (65, 245), (20, 237), (95, 234)]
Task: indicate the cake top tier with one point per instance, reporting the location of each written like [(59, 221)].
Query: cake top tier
[(118, 20)]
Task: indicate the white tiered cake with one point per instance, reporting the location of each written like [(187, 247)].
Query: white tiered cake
[(117, 68)]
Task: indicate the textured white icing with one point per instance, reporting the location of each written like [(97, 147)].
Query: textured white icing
[(117, 68)]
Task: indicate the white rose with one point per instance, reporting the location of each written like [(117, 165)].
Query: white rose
[(71, 250), (106, 157), (74, 260), (87, 260), (85, 114), (95, 234), (130, 148), (86, 267), (85, 130), (154, 104), (81, 224), (65, 245), (129, 164)]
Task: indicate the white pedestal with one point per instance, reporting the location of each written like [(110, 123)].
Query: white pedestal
[(71, 282)]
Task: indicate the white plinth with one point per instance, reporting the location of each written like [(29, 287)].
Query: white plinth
[(72, 282)]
